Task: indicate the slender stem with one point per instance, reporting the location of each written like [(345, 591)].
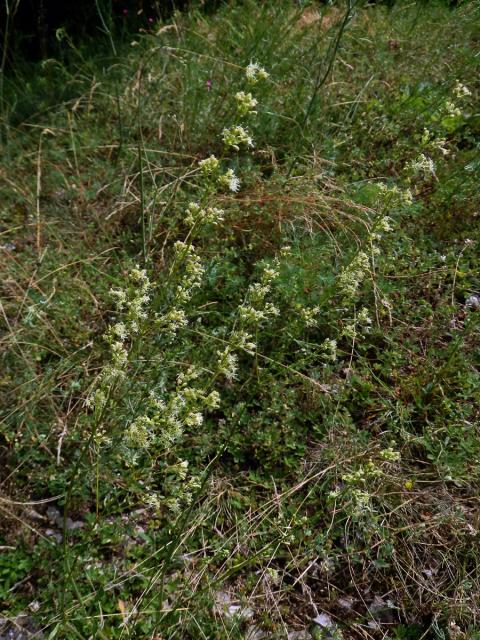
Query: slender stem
[(68, 497), (142, 205), (107, 29), (38, 193), (321, 79), (120, 122), (4, 56)]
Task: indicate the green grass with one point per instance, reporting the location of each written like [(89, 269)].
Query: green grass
[(339, 474)]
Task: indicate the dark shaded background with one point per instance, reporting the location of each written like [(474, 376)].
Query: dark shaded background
[(30, 28), (29, 31)]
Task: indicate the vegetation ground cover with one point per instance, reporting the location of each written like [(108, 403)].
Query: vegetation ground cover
[(240, 311)]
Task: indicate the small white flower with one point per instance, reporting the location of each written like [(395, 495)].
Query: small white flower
[(214, 215), (384, 224), (194, 419), (309, 316), (364, 317), (173, 320), (120, 330), (461, 91), (180, 469), (212, 401), (473, 302), (195, 214), (422, 166), (254, 72), (120, 298), (230, 181), (452, 109), (139, 434), (119, 354), (246, 103), (352, 275), (209, 165), (329, 347), (236, 136), (243, 340), (227, 364), (390, 454)]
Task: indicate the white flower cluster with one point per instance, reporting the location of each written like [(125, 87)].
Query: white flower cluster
[(180, 490), (175, 317), (227, 363), (131, 302), (310, 315), (180, 404), (254, 73), (236, 136), (432, 143), (356, 494), (246, 103), (196, 215), (364, 473), (352, 276), (329, 348), (422, 166), (451, 109), (392, 196), (255, 308), (165, 420), (139, 433), (390, 454), (364, 318), (362, 321), (243, 341), (461, 91), (230, 181), (210, 167)]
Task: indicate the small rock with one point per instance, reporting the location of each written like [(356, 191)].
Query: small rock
[(224, 606), (241, 612), (53, 514), (473, 302), (382, 611), (51, 533), (254, 633), (323, 620), (303, 634), (71, 525), (345, 603), (31, 513), (21, 627), (56, 518)]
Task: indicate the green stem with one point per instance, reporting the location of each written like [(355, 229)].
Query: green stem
[(321, 79)]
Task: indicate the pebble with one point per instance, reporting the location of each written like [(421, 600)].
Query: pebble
[(473, 302)]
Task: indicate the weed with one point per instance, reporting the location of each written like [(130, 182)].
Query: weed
[(240, 361)]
